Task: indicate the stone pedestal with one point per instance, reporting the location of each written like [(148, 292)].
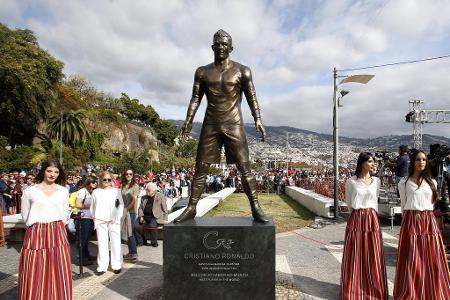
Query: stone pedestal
[(219, 258)]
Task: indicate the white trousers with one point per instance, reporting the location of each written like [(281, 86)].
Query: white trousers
[(105, 230)]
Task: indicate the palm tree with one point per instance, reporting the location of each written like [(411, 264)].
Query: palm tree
[(74, 129)]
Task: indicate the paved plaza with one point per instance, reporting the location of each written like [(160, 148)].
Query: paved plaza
[(307, 263)]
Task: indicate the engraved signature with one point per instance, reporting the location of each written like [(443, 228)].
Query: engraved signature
[(216, 243)]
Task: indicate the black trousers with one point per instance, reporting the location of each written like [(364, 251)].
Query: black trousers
[(87, 229), (139, 230)]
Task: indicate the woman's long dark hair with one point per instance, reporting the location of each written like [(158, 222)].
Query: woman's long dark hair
[(425, 175), (362, 158), (124, 181), (61, 179)]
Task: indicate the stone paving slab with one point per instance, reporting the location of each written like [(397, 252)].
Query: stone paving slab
[(308, 267)]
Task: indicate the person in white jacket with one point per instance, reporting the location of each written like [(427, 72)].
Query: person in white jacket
[(107, 209)]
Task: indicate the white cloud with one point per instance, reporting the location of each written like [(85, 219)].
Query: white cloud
[(150, 50), (415, 17)]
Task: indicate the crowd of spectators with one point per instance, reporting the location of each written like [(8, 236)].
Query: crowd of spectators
[(175, 183), (272, 180), (12, 186), (170, 183)]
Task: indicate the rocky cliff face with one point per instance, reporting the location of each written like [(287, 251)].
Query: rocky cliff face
[(126, 137), (119, 137)]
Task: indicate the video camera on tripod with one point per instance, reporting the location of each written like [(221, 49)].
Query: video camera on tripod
[(439, 160), (440, 151), (385, 160)]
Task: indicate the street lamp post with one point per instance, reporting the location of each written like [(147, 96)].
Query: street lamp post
[(61, 141), (363, 79), (335, 148)]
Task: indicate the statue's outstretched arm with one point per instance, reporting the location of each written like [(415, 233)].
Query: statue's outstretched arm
[(197, 95), (250, 95)]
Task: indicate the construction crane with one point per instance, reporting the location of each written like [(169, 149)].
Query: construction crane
[(419, 116)]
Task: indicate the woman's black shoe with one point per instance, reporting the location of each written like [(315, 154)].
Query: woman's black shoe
[(154, 244), (99, 273), (117, 271)]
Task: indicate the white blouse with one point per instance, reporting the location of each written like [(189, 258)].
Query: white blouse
[(84, 195), (103, 207), (360, 195), (413, 197), (37, 207)]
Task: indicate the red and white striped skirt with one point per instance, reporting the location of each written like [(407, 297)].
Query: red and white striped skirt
[(422, 270), (363, 271), (45, 266)]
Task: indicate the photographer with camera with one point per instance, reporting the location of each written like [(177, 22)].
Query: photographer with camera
[(439, 158), (402, 165)]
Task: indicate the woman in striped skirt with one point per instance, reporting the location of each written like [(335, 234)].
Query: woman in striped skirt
[(363, 272), (422, 271), (45, 266)]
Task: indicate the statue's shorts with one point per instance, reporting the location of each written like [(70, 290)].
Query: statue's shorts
[(214, 136)]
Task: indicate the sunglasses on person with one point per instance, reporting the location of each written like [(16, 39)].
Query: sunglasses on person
[(129, 174), (107, 180)]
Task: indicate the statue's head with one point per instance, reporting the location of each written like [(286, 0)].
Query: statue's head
[(222, 39), (223, 34)]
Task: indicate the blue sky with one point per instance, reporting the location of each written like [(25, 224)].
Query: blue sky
[(150, 50)]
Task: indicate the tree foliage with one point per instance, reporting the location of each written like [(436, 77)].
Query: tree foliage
[(137, 161), (187, 149), (147, 116), (93, 145), (28, 80), (166, 132), (169, 159), (68, 99), (134, 110), (33, 91), (71, 123), (87, 96)]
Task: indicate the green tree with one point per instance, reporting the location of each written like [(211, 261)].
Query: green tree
[(187, 149), (87, 95), (68, 98), (39, 153), (93, 145), (20, 158), (133, 110), (139, 162), (74, 130), (50, 149), (28, 79), (166, 132), (4, 154)]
